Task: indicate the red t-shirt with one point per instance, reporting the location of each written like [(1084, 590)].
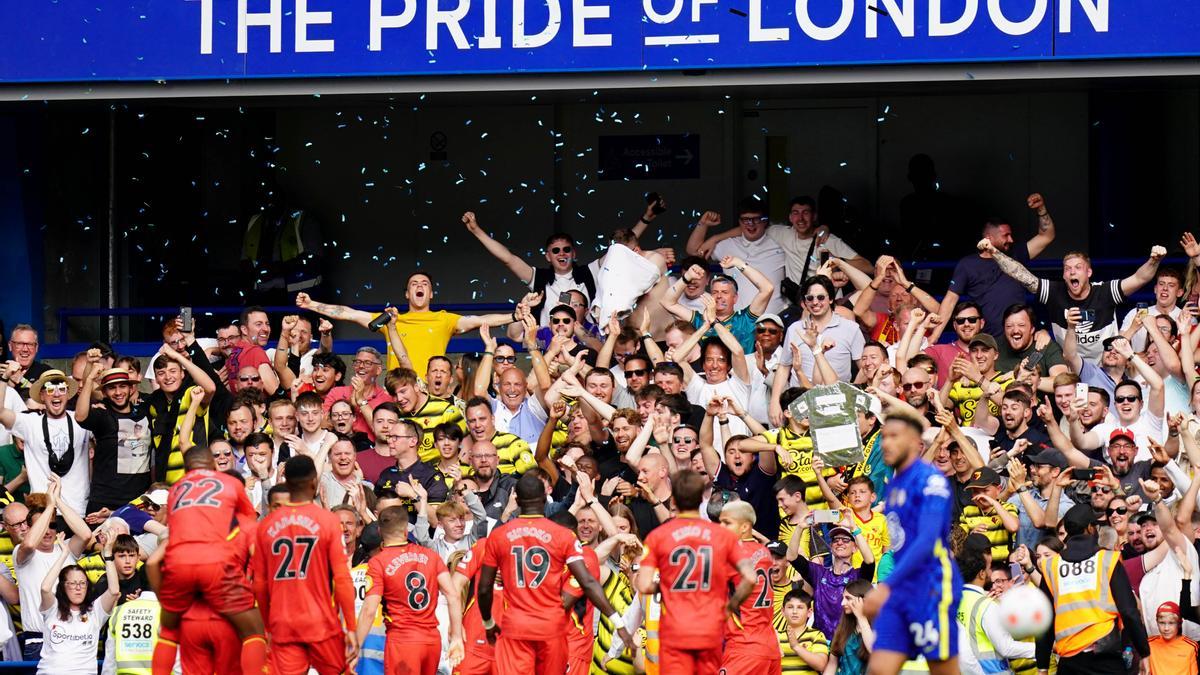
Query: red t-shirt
[(581, 629), (243, 354), (201, 512), (300, 569), (753, 633), (943, 355), (532, 554), (474, 636), (695, 560), (407, 578)]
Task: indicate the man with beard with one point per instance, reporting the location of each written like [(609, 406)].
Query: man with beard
[(121, 461), (1022, 339), (653, 493), (748, 241), (724, 292), (55, 444), (980, 279), (492, 487), (967, 321), (1076, 290), (423, 409), (249, 351), (1016, 410), (1121, 453), (425, 333), (24, 369), (1045, 466)]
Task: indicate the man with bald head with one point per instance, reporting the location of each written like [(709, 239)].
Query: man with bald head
[(15, 527), (491, 486), (517, 410), (650, 506)]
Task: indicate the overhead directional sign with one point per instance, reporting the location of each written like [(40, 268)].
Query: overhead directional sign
[(155, 40), (662, 157)]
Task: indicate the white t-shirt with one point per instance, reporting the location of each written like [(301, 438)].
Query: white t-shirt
[(77, 484), (305, 360), (29, 584), (700, 392), (69, 647), (848, 343), (796, 249), (760, 386), (1145, 427), (1162, 584), (764, 255), (14, 402)]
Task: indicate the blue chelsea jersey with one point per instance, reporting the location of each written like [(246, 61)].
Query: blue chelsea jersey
[(918, 512)]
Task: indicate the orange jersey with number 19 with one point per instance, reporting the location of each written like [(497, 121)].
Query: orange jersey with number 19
[(531, 554), (407, 577), (695, 560), (300, 569)]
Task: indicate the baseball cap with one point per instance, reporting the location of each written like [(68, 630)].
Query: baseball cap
[(833, 532), (983, 477), (773, 318), (985, 340), (777, 549), (159, 497), (1144, 516), (1077, 519), (1169, 607), (1122, 432), (1048, 457)]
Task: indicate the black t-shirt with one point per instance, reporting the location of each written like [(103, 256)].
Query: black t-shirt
[(758, 488), (429, 478), (133, 585), (1031, 434), (1103, 300), (121, 465), (608, 459)]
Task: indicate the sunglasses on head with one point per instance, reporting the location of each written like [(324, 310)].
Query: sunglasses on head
[(958, 321), (561, 249), (506, 359), (1127, 399), (636, 372)]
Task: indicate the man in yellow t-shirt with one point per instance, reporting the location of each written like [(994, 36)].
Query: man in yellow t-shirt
[(425, 333)]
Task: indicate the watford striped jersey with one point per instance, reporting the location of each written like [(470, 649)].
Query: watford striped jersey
[(167, 417), (515, 455), (811, 639), (1002, 540), (435, 411), (800, 447)]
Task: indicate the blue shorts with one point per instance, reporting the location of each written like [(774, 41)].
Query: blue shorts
[(919, 622)]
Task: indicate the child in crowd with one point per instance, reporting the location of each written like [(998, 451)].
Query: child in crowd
[(1171, 651), (805, 649)]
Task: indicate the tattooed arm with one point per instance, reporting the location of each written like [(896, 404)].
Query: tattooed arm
[(339, 312), (1010, 267)]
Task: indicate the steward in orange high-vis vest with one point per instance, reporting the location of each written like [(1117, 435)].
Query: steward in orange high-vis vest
[(1091, 601)]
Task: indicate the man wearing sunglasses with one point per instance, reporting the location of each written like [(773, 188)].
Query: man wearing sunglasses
[(966, 321), (1145, 423)]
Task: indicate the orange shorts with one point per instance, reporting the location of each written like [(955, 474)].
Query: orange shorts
[(226, 590), (689, 661), (328, 657), (531, 657), (410, 658), (477, 663), (740, 662), (209, 646)]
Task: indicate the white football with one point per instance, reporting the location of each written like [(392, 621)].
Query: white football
[(1025, 611)]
